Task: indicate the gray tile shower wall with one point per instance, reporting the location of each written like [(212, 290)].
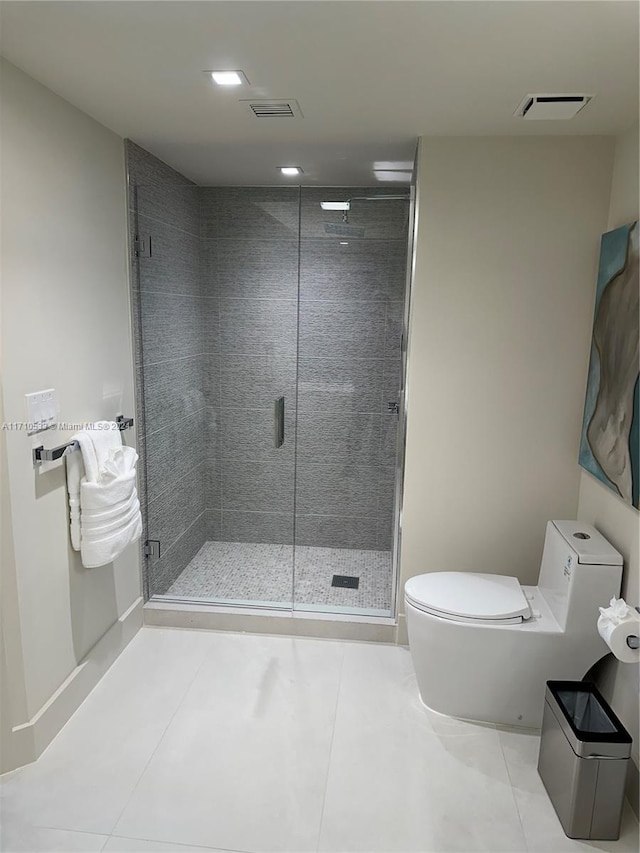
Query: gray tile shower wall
[(256, 266), (250, 282), (352, 288), (171, 330)]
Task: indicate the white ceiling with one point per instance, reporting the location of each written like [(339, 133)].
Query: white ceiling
[(370, 77)]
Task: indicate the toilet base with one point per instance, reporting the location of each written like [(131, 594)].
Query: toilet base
[(494, 674), (486, 723)]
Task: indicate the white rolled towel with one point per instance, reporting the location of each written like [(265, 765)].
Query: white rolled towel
[(104, 509), (97, 443)]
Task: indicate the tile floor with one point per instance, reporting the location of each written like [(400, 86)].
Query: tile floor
[(248, 572), (200, 741)]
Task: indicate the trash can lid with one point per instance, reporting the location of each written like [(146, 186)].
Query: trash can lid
[(587, 720)]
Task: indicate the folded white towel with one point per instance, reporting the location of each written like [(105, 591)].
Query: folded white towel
[(99, 552), (101, 516), (97, 529), (104, 509)]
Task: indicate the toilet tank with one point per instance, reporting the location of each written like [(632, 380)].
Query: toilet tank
[(580, 571)]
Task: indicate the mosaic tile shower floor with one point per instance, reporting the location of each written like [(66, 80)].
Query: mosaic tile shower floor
[(249, 573)]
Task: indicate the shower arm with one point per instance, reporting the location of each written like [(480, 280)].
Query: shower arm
[(388, 197)]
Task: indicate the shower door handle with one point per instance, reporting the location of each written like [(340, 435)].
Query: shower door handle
[(278, 420)]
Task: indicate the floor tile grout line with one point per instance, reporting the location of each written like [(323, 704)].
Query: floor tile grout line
[(513, 793), (180, 844), (64, 828), (333, 734), (160, 740)]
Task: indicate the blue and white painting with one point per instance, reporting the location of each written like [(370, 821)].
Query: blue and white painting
[(609, 448)]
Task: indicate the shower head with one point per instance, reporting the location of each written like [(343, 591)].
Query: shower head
[(336, 205), (343, 229), (346, 230)]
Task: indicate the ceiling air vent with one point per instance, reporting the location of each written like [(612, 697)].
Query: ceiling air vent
[(284, 108), (549, 107)]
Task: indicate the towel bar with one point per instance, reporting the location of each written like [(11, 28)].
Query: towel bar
[(40, 454)]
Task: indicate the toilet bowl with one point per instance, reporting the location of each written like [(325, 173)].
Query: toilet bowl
[(483, 646)]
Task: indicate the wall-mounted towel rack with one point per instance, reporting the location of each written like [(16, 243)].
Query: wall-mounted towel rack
[(40, 454)]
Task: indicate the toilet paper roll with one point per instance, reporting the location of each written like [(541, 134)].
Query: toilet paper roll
[(615, 636)]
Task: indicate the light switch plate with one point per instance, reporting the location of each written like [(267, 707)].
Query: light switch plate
[(42, 410)]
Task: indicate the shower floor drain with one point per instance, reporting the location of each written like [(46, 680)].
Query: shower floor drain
[(345, 581)]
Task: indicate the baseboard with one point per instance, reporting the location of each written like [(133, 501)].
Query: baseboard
[(30, 739), (402, 638)]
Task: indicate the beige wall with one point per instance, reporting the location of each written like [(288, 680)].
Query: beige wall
[(617, 520), (65, 324), (506, 257)]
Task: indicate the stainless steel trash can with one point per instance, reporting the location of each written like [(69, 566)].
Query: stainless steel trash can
[(584, 751)]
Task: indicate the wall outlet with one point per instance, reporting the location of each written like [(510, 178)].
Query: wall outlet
[(42, 410)]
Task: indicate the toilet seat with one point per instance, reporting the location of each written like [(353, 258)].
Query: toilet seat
[(469, 597)]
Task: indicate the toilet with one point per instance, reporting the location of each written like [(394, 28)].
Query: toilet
[(483, 645)]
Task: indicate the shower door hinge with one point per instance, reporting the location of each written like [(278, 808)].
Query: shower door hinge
[(152, 548), (393, 407), (142, 246)]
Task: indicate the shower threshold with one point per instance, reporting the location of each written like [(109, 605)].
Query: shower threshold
[(161, 611)]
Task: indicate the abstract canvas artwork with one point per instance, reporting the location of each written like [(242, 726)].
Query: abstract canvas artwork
[(610, 429)]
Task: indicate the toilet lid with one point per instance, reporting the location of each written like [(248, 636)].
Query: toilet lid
[(469, 596)]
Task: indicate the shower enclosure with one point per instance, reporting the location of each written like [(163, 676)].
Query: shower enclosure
[(269, 362)]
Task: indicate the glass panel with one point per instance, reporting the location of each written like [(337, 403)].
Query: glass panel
[(216, 310), (350, 320)]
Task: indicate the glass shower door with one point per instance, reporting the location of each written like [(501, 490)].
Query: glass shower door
[(215, 307), (250, 263), (351, 314)]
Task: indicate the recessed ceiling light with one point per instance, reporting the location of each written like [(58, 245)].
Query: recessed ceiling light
[(228, 78), (290, 170)]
